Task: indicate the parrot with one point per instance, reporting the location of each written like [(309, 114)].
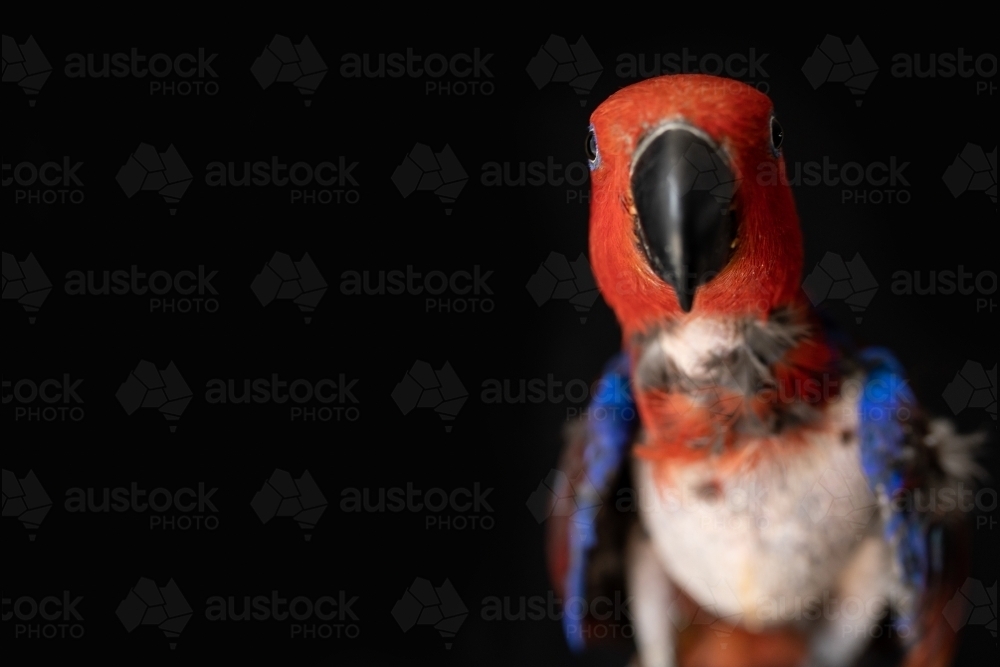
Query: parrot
[(756, 484)]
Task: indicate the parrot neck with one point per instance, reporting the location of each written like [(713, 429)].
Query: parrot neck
[(707, 384)]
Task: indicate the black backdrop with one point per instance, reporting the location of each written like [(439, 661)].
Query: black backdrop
[(502, 334)]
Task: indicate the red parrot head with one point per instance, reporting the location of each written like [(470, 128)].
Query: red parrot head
[(690, 212)]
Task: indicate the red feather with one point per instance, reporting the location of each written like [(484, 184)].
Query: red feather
[(765, 271)]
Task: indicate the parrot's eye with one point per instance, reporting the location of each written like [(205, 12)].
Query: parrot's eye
[(777, 134), (593, 157)]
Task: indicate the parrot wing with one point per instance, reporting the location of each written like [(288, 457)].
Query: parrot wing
[(909, 461), (586, 533)]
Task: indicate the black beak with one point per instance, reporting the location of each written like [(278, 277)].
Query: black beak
[(683, 190)]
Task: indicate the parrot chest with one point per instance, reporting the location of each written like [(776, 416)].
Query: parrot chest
[(765, 533)]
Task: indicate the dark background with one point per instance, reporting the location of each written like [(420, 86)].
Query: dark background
[(508, 230)]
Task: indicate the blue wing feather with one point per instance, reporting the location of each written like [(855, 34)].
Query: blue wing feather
[(610, 417), (885, 406)]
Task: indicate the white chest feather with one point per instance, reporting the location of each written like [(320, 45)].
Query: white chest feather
[(689, 345), (746, 543)]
